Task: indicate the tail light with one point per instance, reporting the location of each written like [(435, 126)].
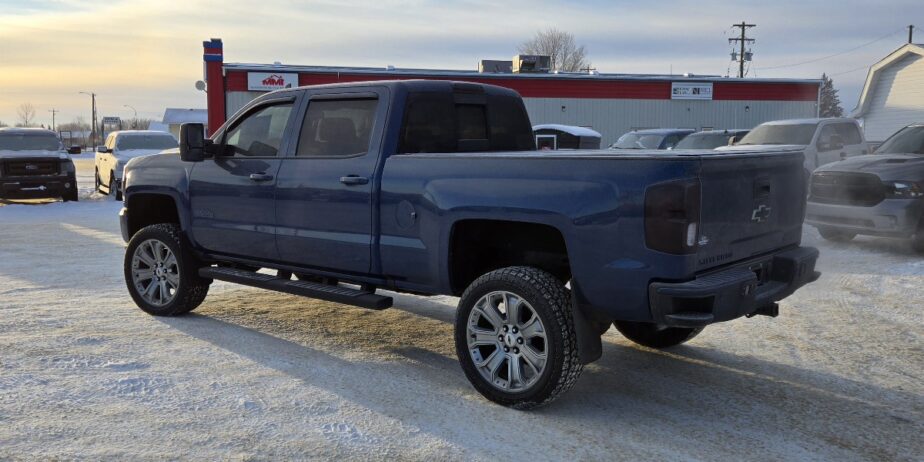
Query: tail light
[(672, 216)]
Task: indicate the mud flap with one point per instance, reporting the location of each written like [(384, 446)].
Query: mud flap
[(590, 344)]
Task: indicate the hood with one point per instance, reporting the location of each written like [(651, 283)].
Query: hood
[(33, 154), (886, 166), (761, 147)]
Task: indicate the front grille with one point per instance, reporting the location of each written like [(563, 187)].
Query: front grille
[(844, 188), (30, 167)]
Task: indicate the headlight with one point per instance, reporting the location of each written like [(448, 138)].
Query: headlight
[(903, 189)]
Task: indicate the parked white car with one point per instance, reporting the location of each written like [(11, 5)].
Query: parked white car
[(121, 147), (822, 140)]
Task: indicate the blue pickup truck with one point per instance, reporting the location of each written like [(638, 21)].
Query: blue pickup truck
[(434, 187)]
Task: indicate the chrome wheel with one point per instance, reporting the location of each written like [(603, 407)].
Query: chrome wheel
[(155, 272), (507, 341)]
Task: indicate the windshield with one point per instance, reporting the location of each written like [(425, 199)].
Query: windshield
[(146, 142), (22, 142), (637, 141), (909, 140), (704, 141), (781, 134)]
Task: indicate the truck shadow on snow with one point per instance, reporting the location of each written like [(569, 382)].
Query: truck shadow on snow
[(691, 394)]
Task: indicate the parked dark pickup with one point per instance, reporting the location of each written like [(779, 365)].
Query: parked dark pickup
[(34, 164), (880, 194), (435, 187)]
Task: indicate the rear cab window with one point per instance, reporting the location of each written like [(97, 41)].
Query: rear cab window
[(464, 121)]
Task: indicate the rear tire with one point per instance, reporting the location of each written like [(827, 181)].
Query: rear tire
[(917, 241), (70, 196), (650, 335), (836, 235), (523, 356), (161, 273), (97, 184)]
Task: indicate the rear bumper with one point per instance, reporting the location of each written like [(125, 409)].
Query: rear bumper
[(752, 287), (891, 217), (36, 187)]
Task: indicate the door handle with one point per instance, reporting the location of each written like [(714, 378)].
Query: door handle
[(353, 180), (260, 177)]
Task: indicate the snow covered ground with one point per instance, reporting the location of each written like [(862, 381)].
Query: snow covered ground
[(257, 375)]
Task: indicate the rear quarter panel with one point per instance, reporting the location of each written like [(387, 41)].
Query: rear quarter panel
[(597, 204)]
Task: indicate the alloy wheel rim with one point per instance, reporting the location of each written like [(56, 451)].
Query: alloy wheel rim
[(507, 341), (155, 272)]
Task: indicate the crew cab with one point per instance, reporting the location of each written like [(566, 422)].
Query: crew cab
[(879, 195), (821, 140), (121, 147), (434, 187), (35, 165)]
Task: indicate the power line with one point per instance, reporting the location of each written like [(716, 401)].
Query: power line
[(848, 72), (835, 54)]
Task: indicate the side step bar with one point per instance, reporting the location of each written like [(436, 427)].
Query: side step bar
[(338, 294)]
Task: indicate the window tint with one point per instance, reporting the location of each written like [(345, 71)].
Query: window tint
[(780, 134), (21, 142), (471, 123), (849, 133), (260, 133), (149, 141), (337, 127), (434, 122)]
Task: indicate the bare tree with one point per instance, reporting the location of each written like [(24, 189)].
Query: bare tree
[(26, 114), (560, 46), (3, 124)]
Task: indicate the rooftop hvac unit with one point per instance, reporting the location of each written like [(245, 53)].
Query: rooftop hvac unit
[(524, 64), (495, 66)]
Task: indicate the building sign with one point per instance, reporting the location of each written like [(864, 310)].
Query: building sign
[(691, 90), (269, 81), (112, 120)]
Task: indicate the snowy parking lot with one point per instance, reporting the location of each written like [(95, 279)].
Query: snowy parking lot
[(84, 374)]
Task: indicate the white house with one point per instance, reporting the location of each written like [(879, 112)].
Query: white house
[(893, 95), (174, 117)]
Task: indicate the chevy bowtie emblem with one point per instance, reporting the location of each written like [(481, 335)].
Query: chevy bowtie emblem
[(760, 213)]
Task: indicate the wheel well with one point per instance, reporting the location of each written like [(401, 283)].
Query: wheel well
[(479, 246), (150, 209)]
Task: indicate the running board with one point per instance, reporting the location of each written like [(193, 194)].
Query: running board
[(338, 294)]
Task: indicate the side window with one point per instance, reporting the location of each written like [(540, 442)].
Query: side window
[(824, 137), (337, 128), (849, 133), (260, 133)]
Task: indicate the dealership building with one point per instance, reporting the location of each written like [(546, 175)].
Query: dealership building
[(610, 104)]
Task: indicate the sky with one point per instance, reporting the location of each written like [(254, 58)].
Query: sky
[(147, 54)]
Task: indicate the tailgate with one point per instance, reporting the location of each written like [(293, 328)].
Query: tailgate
[(751, 204)]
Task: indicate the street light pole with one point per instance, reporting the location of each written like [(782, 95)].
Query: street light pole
[(135, 117), (93, 121)]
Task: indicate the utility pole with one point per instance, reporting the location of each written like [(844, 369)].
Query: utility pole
[(911, 33), (53, 112), (744, 40), (135, 117), (93, 121)]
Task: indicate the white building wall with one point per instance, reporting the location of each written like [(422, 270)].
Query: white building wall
[(897, 98), (613, 117)]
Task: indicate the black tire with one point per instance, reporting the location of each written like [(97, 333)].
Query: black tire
[(70, 196), (551, 302), (96, 181), (649, 335), (836, 235), (114, 189), (191, 290), (917, 241)]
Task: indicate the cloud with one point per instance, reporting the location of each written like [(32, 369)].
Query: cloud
[(147, 53)]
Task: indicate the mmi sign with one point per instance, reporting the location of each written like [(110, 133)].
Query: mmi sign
[(690, 90)]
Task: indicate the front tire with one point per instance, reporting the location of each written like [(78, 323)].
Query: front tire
[(114, 189), (653, 336), (161, 273), (515, 337), (836, 235)]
